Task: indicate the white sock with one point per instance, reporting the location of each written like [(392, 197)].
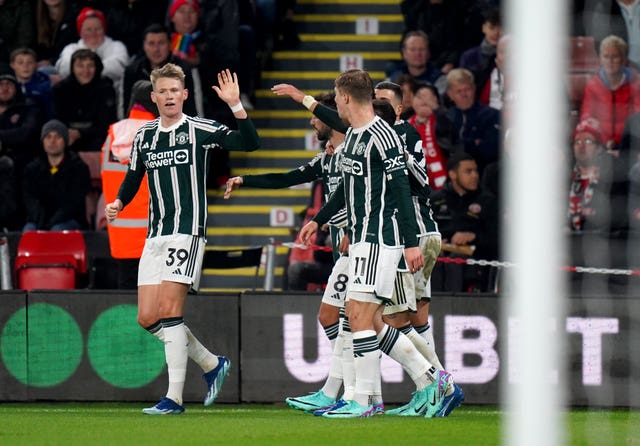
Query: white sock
[(348, 366), (196, 351), (175, 350), (366, 356), (401, 349), (422, 343), (333, 383), (332, 333)]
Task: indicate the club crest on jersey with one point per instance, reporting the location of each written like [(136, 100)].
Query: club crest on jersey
[(182, 138), (475, 208), (360, 148)]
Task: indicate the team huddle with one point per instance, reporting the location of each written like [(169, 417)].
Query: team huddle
[(385, 241)]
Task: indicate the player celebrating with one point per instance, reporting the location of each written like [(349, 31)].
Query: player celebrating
[(174, 151)]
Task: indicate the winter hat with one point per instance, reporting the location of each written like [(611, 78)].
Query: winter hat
[(6, 73), (589, 125), (87, 12), (55, 126), (177, 3)]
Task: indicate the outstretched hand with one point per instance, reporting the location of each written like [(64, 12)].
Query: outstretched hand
[(307, 231), (232, 184), (228, 89), (288, 90)]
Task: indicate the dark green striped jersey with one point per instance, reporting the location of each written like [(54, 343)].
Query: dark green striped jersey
[(375, 187), (323, 167), (176, 160), (418, 179)]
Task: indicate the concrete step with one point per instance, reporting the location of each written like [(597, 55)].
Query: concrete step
[(311, 60), (297, 196), (250, 215), (349, 23), (272, 158), (364, 7), (349, 42), (305, 80)]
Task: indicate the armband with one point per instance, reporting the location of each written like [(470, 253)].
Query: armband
[(236, 108)]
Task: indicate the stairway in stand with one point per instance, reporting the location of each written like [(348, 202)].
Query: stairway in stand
[(334, 35)]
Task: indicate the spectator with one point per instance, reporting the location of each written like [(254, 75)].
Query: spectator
[(494, 95), (33, 84), (443, 23), (8, 202), (92, 26), (475, 127), (480, 60), (186, 39), (19, 122), (467, 217), (597, 208), (408, 84), (86, 102), (156, 53), (601, 18), (55, 25), (127, 19), (16, 27), (415, 62), (56, 184), (595, 204), (433, 125), (613, 94)]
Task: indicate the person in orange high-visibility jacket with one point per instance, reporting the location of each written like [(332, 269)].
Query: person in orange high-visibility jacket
[(127, 234)]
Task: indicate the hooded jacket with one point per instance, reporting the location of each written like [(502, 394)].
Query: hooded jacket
[(89, 108)]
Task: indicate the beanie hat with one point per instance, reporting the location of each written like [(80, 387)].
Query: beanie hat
[(55, 126), (177, 3), (87, 12), (591, 126), (6, 73)]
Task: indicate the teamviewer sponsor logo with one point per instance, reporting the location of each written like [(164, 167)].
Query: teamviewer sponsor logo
[(166, 159), (181, 156)]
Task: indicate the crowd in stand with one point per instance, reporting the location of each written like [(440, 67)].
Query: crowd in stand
[(456, 87), (76, 61)]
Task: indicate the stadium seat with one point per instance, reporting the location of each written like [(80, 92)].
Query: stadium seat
[(50, 260), (234, 258), (583, 57), (576, 85)]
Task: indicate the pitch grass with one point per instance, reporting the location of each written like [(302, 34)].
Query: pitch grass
[(92, 424)]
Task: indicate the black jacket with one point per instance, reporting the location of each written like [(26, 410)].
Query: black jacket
[(89, 108), (55, 198), (475, 212)]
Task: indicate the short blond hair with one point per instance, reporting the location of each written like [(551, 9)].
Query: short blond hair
[(615, 42), (170, 71), (459, 76)]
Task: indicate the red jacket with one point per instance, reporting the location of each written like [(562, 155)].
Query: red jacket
[(611, 108)]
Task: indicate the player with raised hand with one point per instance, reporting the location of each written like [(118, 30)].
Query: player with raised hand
[(174, 151)]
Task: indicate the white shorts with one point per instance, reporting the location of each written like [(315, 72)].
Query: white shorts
[(430, 246), (372, 269), (172, 258), (336, 291), (404, 294)]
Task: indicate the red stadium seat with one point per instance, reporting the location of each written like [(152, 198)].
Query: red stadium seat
[(50, 260), (583, 57)]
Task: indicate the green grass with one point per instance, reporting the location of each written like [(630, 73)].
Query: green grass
[(123, 424)]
